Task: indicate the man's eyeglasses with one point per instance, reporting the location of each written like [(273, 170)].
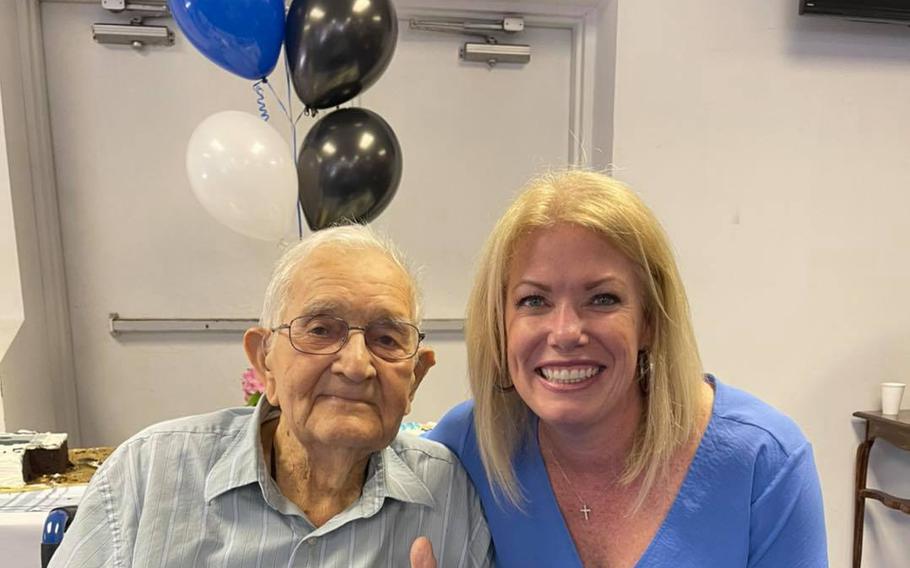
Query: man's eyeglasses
[(391, 340)]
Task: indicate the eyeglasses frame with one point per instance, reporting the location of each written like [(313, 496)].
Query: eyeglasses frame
[(362, 329)]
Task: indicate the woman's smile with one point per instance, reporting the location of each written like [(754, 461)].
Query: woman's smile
[(569, 378)]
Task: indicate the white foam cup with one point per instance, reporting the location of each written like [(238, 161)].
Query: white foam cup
[(892, 393)]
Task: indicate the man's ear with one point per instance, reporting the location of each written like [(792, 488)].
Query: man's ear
[(424, 360), (254, 344)]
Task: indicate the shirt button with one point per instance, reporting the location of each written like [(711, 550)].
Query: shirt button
[(312, 542)]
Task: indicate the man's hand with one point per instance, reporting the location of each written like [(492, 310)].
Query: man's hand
[(422, 553)]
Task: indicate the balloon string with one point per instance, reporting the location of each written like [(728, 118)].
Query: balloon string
[(293, 125), (260, 101), (277, 98)]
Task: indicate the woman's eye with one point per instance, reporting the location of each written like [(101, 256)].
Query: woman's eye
[(605, 300), (532, 301)]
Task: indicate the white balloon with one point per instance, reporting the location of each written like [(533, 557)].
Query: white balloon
[(243, 173)]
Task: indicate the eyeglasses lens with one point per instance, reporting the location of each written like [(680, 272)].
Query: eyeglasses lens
[(327, 334), (318, 334), (391, 340)]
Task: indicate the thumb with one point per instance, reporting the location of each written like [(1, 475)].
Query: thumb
[(422, 553)]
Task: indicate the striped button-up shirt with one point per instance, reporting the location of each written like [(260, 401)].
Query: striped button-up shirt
[(196, 492)]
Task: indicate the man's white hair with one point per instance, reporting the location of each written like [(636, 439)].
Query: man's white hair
[(345, 237)]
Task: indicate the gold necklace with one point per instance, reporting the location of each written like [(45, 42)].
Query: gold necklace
[(585, 510)]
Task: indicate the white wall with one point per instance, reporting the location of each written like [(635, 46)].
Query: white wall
[(24, 371), (10, 289), (775, 149), (11, 314)]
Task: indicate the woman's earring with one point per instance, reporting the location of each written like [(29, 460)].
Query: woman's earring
[(645, 371), (503, 389)]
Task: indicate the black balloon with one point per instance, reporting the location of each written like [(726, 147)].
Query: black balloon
[(348, 168), (338, 48)]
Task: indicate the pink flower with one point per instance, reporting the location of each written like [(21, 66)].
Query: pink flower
[(252, 385)]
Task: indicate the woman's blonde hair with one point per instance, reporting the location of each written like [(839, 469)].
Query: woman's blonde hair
[(607, 207)]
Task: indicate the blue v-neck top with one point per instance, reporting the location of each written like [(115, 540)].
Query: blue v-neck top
[(750, 498)]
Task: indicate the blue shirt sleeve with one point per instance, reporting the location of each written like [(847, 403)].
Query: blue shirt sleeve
[(788, 527), (454, 427)]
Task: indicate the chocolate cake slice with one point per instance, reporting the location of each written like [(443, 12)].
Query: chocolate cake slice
[(48, 454)]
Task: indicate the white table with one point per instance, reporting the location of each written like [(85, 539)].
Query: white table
[(20, 539), (22, 518)]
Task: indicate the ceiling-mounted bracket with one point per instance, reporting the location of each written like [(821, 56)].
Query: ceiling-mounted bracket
[(492, 51), (135, 33)]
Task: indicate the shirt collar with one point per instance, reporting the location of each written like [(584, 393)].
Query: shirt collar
[(391, 476), (243, 463)]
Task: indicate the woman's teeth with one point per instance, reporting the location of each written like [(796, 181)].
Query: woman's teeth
[(563, 375)]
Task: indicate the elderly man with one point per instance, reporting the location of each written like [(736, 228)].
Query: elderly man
[(317, 474)]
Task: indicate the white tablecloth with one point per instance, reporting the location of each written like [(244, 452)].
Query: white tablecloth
[(20, 539), (22, 518)]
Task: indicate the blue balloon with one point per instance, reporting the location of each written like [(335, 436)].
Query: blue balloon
[(242, 36)]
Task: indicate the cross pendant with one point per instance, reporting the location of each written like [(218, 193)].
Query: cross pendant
[(585, 510)]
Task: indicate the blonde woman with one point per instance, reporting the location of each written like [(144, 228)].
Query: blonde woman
[(594, 437)]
